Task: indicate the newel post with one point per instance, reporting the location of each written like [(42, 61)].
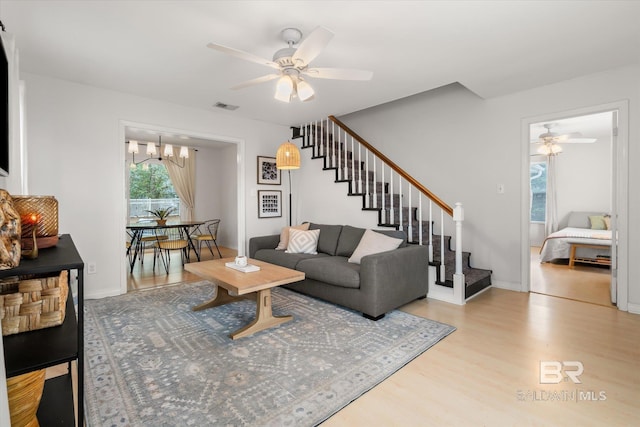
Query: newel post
[(458, 277)]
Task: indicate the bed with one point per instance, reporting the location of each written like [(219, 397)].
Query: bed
[(578, 230)]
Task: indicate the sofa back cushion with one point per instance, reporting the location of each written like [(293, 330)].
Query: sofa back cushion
[(349, 239), (328, 240)]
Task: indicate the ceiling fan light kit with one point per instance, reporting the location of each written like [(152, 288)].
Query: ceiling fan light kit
[(292, 63)]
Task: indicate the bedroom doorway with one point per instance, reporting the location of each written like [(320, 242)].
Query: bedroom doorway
[(572, 205)]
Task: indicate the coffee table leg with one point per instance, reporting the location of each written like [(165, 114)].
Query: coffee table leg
[(264, 317), (222, 297)]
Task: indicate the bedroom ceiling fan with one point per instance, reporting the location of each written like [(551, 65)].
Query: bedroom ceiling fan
[(549, 141), (292, 64)]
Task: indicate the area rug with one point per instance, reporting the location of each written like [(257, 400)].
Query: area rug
[(151, 361)]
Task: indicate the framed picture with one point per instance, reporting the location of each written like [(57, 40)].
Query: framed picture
[(268, 173), (269, 204)]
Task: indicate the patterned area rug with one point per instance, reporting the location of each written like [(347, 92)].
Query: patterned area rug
[(151, 361)]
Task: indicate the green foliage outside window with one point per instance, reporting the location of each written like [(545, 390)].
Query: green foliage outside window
[(153, 183)]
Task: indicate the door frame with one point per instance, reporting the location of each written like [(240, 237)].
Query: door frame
[(240, 187), (620, 192)]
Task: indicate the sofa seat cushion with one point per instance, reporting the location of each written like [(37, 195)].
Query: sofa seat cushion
[(333, 270), (282, 258)]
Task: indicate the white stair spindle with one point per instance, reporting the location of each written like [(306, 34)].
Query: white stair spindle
[(429, 226), (374, 183), (383, 194), (401, 203), (359, 168), (345, 172), (366, 176), (419, 218), (333, 144), (354, 189), (442, 267), (392, 212), (409, 217)]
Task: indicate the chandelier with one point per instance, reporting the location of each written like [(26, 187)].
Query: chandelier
[(154, 150)]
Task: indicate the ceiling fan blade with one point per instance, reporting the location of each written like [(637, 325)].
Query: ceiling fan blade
[(256, 81), (338, 73), (312, 45), (243, 55), (580, 140)]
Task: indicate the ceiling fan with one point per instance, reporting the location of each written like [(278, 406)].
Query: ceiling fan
[(292, 64), (549, 140)]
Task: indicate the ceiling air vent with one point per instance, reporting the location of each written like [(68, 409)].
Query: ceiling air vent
[(225, 106)]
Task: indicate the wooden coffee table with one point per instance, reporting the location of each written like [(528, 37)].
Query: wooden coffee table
[(233, 285)]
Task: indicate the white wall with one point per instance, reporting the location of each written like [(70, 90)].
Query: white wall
[(216, 191), (461, 147), (76, 154)]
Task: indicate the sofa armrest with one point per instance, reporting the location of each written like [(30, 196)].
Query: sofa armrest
[(263, 242), (392, 277)]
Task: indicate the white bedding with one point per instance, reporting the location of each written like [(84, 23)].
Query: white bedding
[(557, 245)]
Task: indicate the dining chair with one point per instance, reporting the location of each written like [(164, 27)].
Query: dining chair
[(174, 240), (208, 235)]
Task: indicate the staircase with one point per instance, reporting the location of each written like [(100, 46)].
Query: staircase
[(401, 202)]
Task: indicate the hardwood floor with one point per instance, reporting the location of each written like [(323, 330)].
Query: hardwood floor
[(487, 372), (584, 282), (144, 277)]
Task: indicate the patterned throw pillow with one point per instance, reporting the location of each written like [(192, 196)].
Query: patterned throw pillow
[(284, 235), (303, 242)]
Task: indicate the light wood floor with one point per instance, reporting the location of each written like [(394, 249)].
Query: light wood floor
[(582, 283), (144, 277), (487, 372)]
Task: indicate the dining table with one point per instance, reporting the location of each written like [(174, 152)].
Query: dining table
[(138, 229)]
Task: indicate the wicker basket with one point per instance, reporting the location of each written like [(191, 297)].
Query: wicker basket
[(33, 303), (24, 395)]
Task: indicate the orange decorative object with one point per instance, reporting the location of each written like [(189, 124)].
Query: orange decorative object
[(39, 213)]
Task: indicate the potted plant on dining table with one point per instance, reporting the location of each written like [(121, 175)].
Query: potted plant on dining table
[(162, 214)]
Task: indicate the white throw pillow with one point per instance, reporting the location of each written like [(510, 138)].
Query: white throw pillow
[(303, 242), (284, 235), (373, 243)]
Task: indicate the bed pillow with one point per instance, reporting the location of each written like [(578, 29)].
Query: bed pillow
[(597, 222), (284, 235), (303, 242), (607, 221), (373, 243)]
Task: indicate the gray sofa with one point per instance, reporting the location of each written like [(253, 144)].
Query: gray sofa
[(380, 283)]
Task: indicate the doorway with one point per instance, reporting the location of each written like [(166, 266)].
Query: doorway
[(589, 177), (217, 160)]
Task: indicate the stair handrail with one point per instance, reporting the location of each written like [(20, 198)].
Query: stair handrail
[(445, 207)]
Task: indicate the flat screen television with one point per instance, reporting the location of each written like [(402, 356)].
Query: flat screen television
[(4, 111)]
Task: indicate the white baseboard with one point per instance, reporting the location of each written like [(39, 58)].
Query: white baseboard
[(98, 295), (510, 286), (633, 308)]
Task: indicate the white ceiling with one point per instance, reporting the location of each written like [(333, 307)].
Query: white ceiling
[(157, 49)]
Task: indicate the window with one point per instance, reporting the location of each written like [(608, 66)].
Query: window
[(149, 189), (538, 186)]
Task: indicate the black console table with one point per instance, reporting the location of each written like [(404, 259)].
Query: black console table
[(34, 350)]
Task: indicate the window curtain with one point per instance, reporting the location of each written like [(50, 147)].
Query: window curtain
[(184, 181), (551, 214)]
